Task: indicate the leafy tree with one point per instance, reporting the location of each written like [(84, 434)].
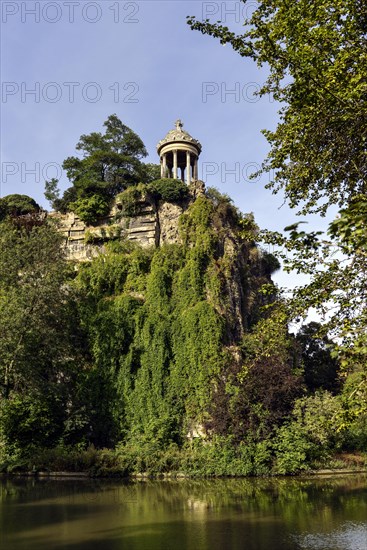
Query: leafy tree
[(90, 209), (316, 54), (316, 57), (321, 367), (354, 399), (336, 264), (256, 393), (150, 172), (41, 345), (110, 162), (52, 193)]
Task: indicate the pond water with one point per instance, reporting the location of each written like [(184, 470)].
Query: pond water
[(251, 514)]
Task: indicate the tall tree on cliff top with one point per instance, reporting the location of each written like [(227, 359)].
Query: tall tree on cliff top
[(316, 53), (110, 162)]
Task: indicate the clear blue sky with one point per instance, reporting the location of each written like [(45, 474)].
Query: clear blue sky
[(86, 60)]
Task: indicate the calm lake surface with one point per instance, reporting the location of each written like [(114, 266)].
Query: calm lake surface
[(251, 514)]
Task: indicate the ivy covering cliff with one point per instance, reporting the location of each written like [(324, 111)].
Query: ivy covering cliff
[(162, 324), (162, 358)]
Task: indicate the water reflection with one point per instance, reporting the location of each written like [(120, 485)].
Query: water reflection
[(251, 514)]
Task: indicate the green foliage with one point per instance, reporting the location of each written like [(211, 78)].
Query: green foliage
[(111, 162), (69, 196), (140, 350), (152, 328), (224, 207), (270, 263), (33, 302), (124, 265), (354, 418), (150, 172), (217, 197), (98, 235), (255, 394), (196, 226), (168, 189), (65, 458), (130, 199), (197, 458), (42, 348), (90, 209), (52, 193), (30, 420), (312, 434), (316, 56), (321, 368), (336, 285), (17, 205), (349, 228)]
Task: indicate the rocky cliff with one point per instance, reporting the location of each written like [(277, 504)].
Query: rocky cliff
[(152, 224)]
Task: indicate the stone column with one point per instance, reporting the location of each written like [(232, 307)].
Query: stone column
[(164, 166), (188, 167), (196, 169), (175, 164), (182, 174)]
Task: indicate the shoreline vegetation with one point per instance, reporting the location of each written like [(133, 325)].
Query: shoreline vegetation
[(108, 463)]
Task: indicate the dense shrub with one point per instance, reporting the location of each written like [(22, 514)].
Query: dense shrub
[(311, 436), (169, 190), (17, 205), (90, 209), (131, 198)]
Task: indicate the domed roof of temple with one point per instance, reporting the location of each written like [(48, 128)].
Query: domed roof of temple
[(177, 135)]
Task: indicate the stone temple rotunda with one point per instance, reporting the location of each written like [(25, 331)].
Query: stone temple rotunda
[(179, 153)]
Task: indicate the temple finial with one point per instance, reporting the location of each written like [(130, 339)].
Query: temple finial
[(179, 124)]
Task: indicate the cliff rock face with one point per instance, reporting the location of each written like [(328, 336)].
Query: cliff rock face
[(168, 215), (243, 268), (151, 225)]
